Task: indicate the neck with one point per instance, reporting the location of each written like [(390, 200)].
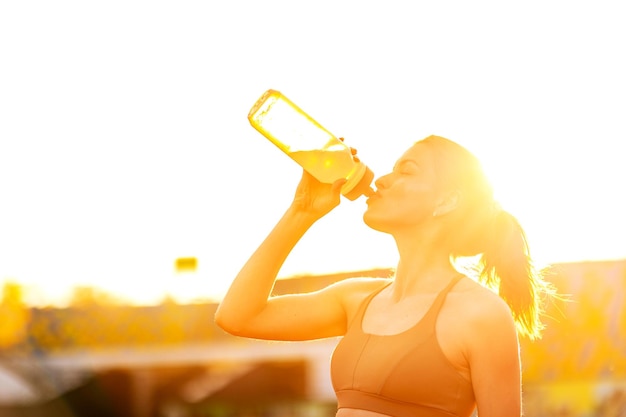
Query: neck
[(423, 267)]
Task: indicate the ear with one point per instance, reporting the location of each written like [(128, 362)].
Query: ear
[(447, 203)]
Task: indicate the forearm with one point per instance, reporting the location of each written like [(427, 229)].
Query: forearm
[(252, 287)]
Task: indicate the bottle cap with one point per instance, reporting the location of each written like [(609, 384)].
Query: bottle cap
[(362, 187)]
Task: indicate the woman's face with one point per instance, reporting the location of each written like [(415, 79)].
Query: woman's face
[(407, 196)]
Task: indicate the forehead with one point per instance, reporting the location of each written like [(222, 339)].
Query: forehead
[(420, 153)]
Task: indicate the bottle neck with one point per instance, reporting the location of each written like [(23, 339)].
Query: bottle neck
[(358, 183)]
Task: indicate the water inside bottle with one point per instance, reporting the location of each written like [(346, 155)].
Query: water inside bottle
[(326, 165)]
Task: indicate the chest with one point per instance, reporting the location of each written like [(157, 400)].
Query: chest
[(409, 366), (419, 317), (382, 317)]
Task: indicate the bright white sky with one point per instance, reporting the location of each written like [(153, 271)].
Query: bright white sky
[(124, 142)]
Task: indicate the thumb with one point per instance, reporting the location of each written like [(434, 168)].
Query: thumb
[(336, 187)]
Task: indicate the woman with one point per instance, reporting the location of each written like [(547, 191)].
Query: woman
[(432, 341)]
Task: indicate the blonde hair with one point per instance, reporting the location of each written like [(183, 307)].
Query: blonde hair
[(479, 228)]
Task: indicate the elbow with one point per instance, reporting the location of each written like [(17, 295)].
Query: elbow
[(227, 324)]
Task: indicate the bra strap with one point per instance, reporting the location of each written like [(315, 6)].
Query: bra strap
[(433, 311), (360, 312)]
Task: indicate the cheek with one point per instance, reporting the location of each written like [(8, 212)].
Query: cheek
[(405, 203), (388, 214), (414, 202)]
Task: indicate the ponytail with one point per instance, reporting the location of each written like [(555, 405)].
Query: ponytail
[(506, 266), (479, 229)]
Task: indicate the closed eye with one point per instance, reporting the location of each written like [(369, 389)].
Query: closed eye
[(408, 167)]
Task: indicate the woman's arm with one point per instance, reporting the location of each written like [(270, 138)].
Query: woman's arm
[(249, 310), (495, 362)]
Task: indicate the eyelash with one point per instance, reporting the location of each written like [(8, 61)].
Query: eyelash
[(408, 171)]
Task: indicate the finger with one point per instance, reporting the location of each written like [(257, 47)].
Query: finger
[(355, 158)]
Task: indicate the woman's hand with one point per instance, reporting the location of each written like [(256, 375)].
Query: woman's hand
[(317, 198)]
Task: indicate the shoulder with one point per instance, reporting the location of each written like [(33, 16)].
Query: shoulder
[(482, 308), (476, 324)]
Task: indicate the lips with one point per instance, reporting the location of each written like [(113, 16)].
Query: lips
[(373, 197)]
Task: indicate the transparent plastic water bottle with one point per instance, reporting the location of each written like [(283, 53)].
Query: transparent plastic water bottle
[(308, 143)]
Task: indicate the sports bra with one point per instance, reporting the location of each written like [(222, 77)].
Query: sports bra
[(400, 375)]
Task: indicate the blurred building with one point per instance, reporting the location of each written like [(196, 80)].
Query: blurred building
[(172, 361), (166, 360)]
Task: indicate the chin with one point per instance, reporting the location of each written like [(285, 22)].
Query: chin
[(375, 223)]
